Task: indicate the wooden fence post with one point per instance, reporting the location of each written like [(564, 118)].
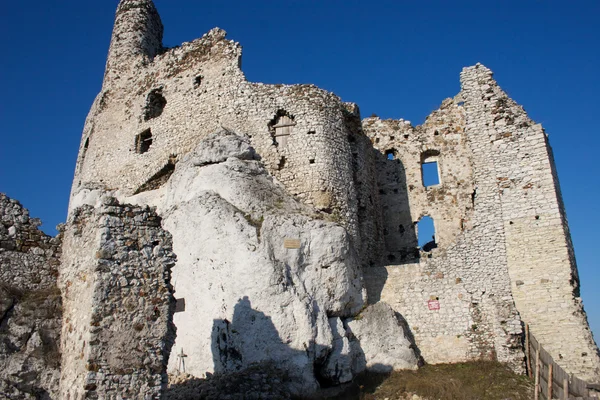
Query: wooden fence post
[(537, 373), (528, 351), (550, 378), (566, 388)]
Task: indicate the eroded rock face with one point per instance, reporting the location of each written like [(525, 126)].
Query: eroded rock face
[(382, 338), (220, 146), (260, 273), (260, 277)]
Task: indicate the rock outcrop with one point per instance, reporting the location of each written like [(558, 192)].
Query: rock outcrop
[(383, 339), (261, 273), (261, 278)]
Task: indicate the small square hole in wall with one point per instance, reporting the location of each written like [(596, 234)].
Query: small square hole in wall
[(311, 160), (431, 175), (143, 141)]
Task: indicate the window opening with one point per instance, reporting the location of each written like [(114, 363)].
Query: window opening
[(430, 174), (155, 104), (430, 170), (390, 154), (281, 128), (426, 233), (143, 141)]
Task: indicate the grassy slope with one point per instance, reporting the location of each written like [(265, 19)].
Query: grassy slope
[(481, 380)]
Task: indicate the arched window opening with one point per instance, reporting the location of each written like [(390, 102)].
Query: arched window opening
[(281, 128), (426, 234), (430, 170), (155, 104), (143, 141)]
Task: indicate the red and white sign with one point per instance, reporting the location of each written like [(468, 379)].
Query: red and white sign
[(433, 304)]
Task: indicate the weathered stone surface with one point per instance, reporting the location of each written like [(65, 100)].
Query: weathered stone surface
[(503, 256), (117, 329), (30, 306), (249, 299), (380, 336), (219, 146), (340, 364)]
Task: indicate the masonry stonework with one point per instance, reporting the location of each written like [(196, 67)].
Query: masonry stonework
[(30, 305), (501, 255), (118, 331), (206, 91), (501, 236)]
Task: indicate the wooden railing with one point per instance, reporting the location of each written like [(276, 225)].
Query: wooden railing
[(551, 381)]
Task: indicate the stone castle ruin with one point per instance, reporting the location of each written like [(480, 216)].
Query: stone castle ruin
[(217, 224)]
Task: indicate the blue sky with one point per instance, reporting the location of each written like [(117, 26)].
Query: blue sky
[(394, 58)]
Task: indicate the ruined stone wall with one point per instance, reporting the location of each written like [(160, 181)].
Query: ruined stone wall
[(500, 225), (466, 273), (501, 232), (403, 195), (28, 256), (539, 251), (30, 305), (181, 95), (115, 280)]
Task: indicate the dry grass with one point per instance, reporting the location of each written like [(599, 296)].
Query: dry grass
[(482, 380)]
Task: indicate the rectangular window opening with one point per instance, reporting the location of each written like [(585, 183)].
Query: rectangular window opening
[(431, 175), (143, 141)]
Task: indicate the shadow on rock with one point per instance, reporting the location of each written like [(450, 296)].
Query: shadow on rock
[(251, 361)]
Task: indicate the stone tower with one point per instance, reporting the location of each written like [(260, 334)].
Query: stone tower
[(136, 38)]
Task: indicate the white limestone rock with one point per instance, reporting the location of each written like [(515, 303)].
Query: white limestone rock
[(381, 338), (339, 366), (219, 146), (249, 297)]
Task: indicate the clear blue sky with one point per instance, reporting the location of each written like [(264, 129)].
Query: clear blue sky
[(394, 58)]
